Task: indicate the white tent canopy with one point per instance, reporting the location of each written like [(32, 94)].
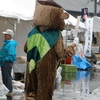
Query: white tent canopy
[(20, 9), (24, 10)]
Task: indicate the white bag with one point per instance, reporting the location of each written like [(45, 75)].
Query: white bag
[(58, 75), (79, 50), (18, 86), (3, 88)]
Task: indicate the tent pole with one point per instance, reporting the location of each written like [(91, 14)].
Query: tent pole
[(10, 22), (66, 35), (95, 7), (15, 29)]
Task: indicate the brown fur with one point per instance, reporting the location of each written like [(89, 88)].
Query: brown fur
[(49, 16), (41, 80), (49, 3), (39, 83)]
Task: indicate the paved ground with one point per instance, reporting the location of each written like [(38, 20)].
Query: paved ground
[(86, 86), (83, 85)]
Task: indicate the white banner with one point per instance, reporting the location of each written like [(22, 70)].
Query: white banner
[(88, 37)]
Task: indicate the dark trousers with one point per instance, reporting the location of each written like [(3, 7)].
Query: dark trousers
[(6, 74)]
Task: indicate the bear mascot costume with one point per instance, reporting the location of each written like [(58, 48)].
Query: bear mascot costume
[(44, 48)]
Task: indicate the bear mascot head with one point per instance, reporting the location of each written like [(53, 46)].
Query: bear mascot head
[(49, 14)]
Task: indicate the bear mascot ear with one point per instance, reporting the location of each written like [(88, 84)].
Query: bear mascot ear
[(49, 14), (64, 15)]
